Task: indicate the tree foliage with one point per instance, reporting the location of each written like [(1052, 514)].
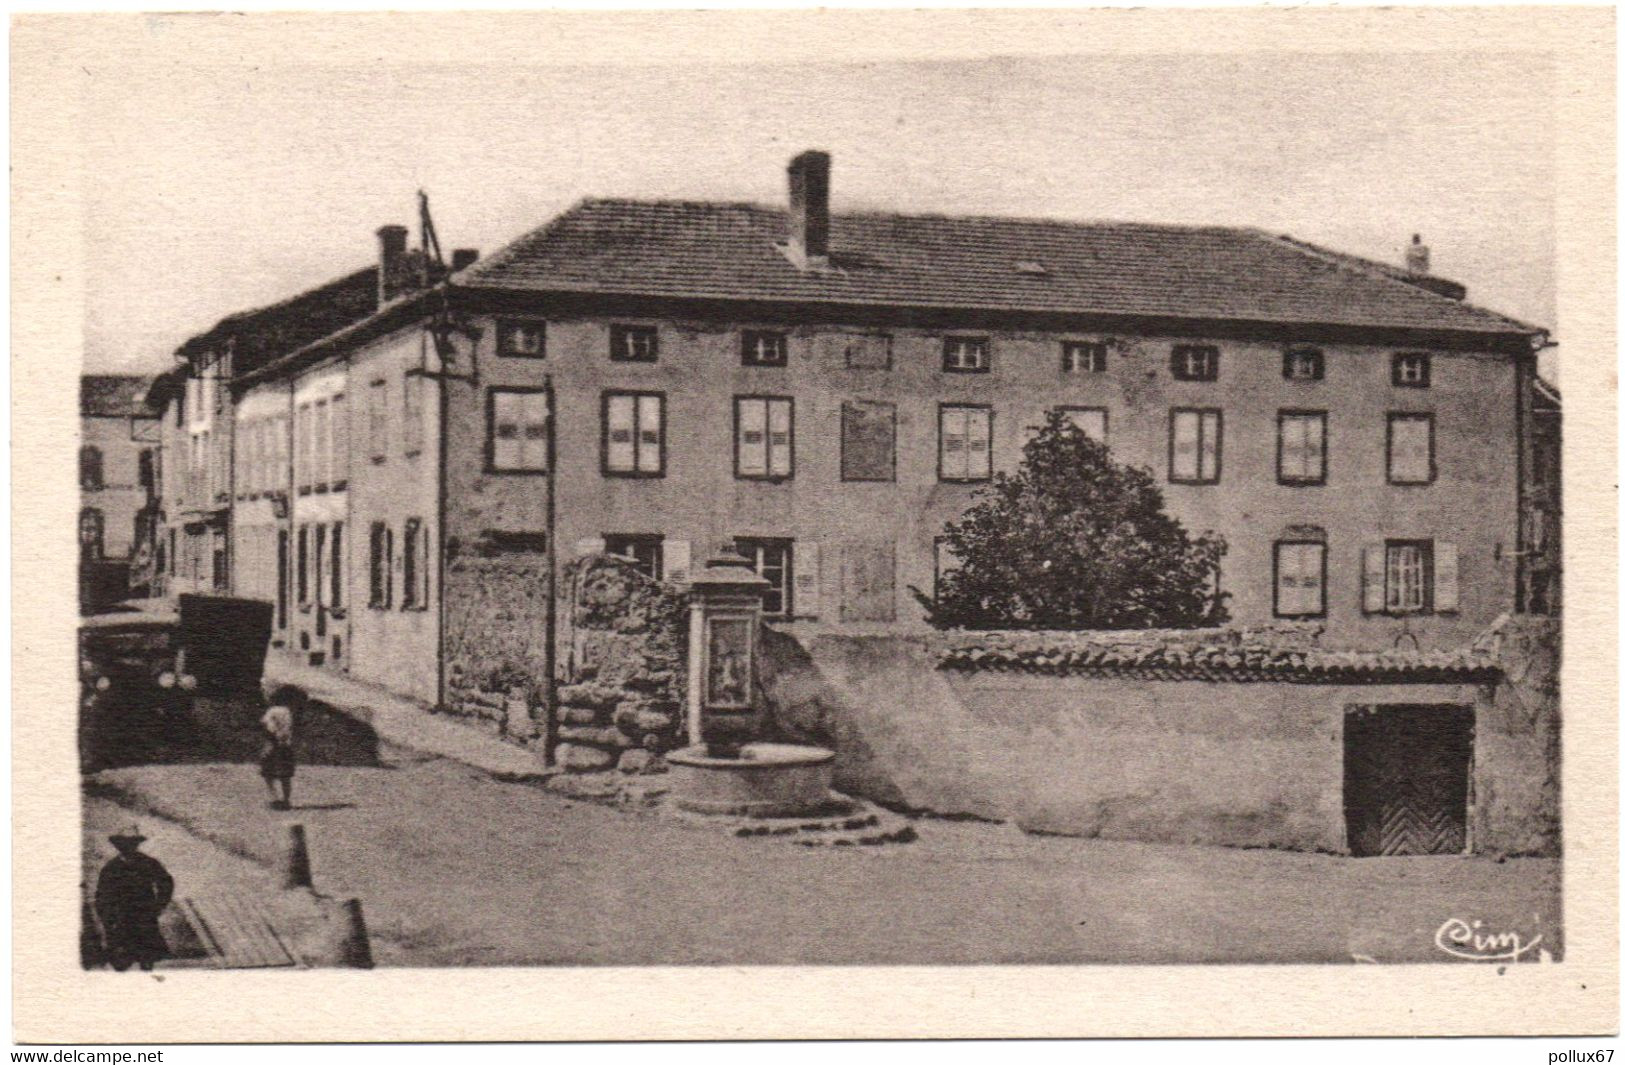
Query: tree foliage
[(1074, 540)]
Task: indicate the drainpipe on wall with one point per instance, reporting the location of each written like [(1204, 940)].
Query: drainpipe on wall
[(225, 370), (550, 646), (441, 432), (1521, 371)]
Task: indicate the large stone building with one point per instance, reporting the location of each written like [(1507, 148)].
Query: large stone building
[(824, 391), (118, 486)]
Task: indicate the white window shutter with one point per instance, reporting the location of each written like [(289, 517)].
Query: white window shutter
[(780, 462), (589, 545), (1375, 572), (677, 561), (806, 580), (1446, 588), (979, 456)]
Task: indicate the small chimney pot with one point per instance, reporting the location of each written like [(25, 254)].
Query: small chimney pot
[(1417, 255), (392, 262), (809, 208), (463, 258)]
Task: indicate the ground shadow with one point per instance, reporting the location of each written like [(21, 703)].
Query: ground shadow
[(212, 728)]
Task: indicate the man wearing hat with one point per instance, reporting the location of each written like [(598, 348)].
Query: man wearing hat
[(131, 892)]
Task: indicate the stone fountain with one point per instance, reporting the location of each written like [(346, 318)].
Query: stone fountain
[(725, 769)]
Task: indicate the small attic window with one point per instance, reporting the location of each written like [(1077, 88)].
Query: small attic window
[(1030, 267)]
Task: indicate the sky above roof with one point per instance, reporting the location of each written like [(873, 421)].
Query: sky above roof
[(216, 188)]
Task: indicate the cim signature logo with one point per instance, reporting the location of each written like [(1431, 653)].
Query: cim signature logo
[(1459, 939)]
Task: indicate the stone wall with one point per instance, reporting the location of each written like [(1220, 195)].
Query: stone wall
[(496, 624), (1171, 760), (1522, 810), (624, 648)]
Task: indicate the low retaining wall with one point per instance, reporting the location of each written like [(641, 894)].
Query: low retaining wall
[(1255, 763)]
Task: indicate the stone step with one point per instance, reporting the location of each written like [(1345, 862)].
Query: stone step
[(858, 825)]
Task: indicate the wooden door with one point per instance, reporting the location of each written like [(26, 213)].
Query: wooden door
[(1406, 777)]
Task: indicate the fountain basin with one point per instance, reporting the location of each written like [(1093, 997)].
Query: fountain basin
[(766, 780)]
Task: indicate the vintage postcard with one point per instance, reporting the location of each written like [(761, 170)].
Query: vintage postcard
[(972, 523)]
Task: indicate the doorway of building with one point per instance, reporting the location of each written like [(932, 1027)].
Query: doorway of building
[(1407, 772)]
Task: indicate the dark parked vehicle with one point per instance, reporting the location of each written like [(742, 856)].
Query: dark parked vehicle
[(225, 640), (134, 694)]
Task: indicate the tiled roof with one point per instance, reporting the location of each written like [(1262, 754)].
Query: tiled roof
[(1280, 654), (731, 251), (113, 396), (261, 335)]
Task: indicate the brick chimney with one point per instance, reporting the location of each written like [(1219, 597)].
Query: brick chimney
[(809, 208), (1416, 256), (463, 258), (394, 267)]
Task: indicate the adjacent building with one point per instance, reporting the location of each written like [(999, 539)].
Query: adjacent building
[(823, 391), (119, 485), (1542, 592), (226, 467)]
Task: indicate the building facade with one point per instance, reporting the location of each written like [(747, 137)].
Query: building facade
[(824, 392), (227, 507), (119, 483)]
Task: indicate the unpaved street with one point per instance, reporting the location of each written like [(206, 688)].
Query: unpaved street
[(459, 869)]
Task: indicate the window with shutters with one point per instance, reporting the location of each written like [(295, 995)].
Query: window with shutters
[(1300, 579), (634, 438), (868, 441), (378, 420), (1083, 356), (304, 426), (868, 351), (90, 467), (1300, 447), (249, 459), (321, 444), (1410, 448), (281, 444), (380, 559), (1405, 577), (412, 413), (335, 567), (869, 581), (1412, 369), (966, 354), (92, 534), (634, 343), (774, 561), (521, 339), (516, 439), (1195, 437), (1303, 364), (643, 550), (1090, 420), (964, 443), (338, 444), (764, 437), (759, 347), (414, 565), (302, 566), (1194, 362)]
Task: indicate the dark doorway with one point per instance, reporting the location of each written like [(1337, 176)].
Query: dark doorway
[(1406, 774)]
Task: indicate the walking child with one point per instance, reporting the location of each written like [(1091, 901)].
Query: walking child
[(276, 758)]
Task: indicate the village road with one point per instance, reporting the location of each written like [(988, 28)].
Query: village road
[(456, 868)]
